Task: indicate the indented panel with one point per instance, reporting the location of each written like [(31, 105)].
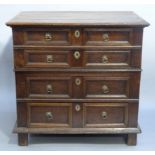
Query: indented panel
[(49, 115), (109, 36), (106, 87), (51, 36), (49, 87), (105, 114), (112, 59), (38, 58)]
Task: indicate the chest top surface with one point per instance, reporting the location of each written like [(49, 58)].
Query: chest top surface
[(77, 18)]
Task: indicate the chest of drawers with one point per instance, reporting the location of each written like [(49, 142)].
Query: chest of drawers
[(77, 73)]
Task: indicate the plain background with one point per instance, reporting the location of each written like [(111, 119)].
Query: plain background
[(8, 141)]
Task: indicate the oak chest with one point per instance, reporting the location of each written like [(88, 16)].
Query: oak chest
[(77, 73)]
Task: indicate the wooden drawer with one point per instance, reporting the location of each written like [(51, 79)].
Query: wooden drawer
[(49, 87), (106, 87), (42, 58), (49, 115), (111, 58), (98, 85), (105, 114), (107, 36), (41, 36), (51, 58)]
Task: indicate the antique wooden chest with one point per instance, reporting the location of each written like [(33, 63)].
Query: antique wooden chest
[(77, 73)]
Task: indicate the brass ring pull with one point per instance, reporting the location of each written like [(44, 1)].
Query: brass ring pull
[(77, 33), (105, 37), (104, 59), (49, 58), (104, 115), (77, 107), (77, 55), (49, 88), (49, 115), (105, 89), (77, 81), (48, 36)]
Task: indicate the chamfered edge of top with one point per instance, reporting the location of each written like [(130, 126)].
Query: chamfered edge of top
[(78, 18)]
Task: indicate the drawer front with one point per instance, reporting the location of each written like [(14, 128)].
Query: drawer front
[(106, 87), (98, 85), (105, 114), (38, 36), (41, 58), (50, 87), (48, 58), (57, 58), (106, 58), (49, 115), (111, 36)]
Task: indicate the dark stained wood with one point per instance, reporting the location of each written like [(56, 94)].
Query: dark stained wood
[(77, 73), (22, 139), (120, 85), (106, 87), (115, 37), (105, 115), (61, 115), (76, 130), (52, 87), (131, 139), (76, 18)]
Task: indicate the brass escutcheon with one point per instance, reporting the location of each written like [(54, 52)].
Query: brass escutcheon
[(77, 107), (77, 33), (77, 81), (76, 54)]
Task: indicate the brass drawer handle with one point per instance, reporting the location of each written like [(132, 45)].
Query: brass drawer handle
[(104, 115), (105, 37), (77, 107), (77, 33), (77, 81), (49, 115), (49, 58), (105, 59), (77, 55), (49, 88), (105, 89), (48, 36)]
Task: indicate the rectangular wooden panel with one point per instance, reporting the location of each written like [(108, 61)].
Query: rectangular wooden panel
[(47, 59), (105, 115), (77, 72), (49, 87), (49, 115), (41, 36), (107, 36), (108, 58), (106, 87)]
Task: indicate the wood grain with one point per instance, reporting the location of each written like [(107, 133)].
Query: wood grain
[(78, 18), (77, 73)]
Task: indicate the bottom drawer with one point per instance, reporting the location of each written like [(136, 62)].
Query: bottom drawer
[(49, 115), (105, 114), (95, 115)]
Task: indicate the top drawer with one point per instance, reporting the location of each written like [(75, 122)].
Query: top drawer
[(108, 36), (44, 36), (77, 36)]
